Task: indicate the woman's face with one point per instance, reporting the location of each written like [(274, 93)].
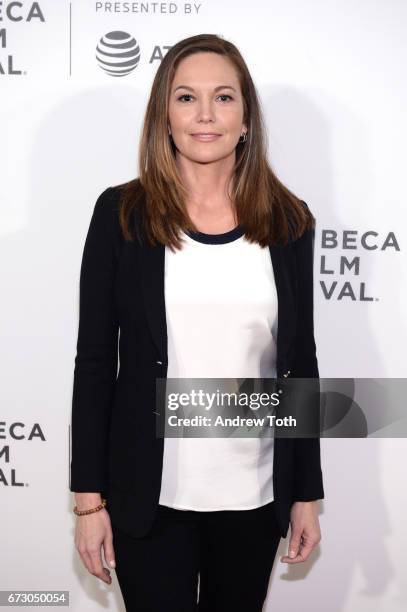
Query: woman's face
[(205, 97)]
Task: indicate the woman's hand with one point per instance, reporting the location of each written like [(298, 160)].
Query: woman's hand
[(94, 531), (305, 532)]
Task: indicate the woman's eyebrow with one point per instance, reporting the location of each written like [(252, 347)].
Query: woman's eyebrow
[(216, 88)]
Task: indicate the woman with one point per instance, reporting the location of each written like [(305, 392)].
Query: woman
[(204, 263)]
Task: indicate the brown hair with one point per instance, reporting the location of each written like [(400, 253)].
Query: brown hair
[(266, 209)]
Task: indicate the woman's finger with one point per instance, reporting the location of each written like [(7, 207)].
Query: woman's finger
[(108, 550), (97, 565)]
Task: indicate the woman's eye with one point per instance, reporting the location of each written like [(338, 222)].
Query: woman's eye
[(190, 96), (184, 96)]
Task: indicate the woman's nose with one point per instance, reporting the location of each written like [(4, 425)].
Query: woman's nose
[(206, 111)]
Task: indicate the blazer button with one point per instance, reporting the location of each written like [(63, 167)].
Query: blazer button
[(160, 362)]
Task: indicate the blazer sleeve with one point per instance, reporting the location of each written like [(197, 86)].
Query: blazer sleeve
[(308, 482), (96, 360)]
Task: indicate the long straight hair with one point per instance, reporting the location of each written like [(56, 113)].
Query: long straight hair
[(267, 211)]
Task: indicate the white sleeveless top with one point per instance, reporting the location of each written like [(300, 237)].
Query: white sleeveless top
[(221, 311)]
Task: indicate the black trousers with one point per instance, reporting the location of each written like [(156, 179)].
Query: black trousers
[(232, 551)]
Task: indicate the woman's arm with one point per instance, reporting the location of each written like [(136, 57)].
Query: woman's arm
[(96, 358), (308, 484), (85, 501)]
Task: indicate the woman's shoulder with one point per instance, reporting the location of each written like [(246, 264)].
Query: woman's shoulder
[(306, 228), (122, 206), (303, 244), (107, 201), (111, 199), (106, 213)]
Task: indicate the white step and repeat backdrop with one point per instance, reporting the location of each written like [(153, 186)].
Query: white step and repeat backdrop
[(331, 80)]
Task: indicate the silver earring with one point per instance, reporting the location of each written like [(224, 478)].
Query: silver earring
[(244, 135)]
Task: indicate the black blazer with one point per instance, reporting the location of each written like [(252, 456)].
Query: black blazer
[(114, 448)]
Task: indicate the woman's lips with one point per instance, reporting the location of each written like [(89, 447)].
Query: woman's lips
[(205, 137)]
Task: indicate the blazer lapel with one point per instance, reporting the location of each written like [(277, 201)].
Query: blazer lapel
[(283, 267), (152, 282), (152, 267)]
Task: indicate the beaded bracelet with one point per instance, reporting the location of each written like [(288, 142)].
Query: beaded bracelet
[(81, 512)]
